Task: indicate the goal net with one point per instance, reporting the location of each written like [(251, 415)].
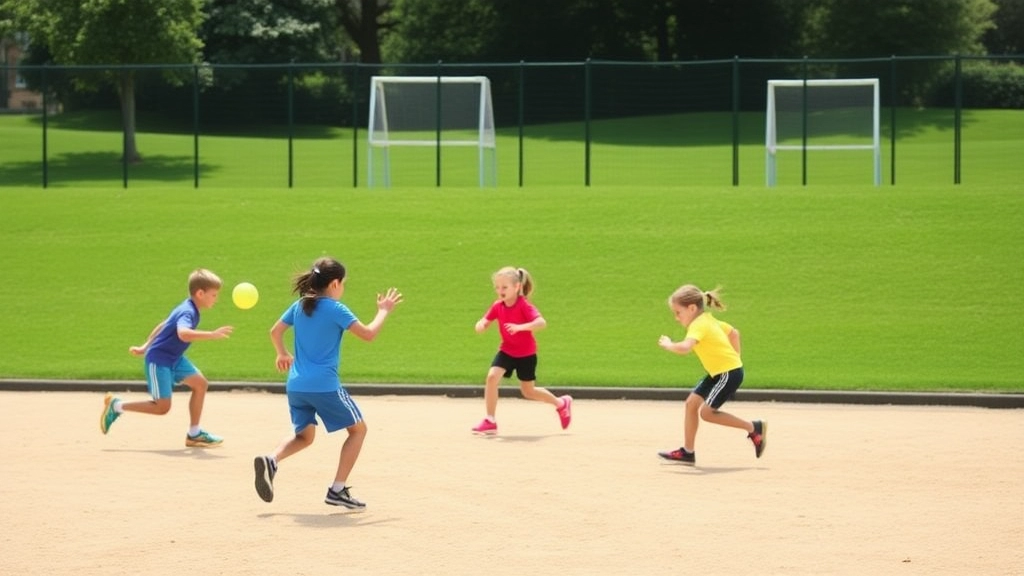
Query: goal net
[(430, 112), (829, 115)]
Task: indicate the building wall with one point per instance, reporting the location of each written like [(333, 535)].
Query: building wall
[(19, 97)]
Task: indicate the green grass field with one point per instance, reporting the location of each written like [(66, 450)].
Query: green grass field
[(837, 287)]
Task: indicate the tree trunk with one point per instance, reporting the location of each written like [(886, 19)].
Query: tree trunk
[(361, 20), (126, 90)]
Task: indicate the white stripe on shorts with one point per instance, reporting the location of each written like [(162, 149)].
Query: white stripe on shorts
[(723, 379)]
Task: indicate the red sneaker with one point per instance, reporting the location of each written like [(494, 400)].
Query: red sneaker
[(759, 437), (486, 427), (565, 412), (681, 456)]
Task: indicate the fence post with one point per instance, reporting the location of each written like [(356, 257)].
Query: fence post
[(958, 96), (46, 106), (893, 95), (437, 149), (803, 126), (522, 105), (736, 120), (291, 122), (195, 125), (586, 123), (355, 123)]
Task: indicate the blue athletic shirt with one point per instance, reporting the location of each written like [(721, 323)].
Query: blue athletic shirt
[(317, 345), (167, 348)]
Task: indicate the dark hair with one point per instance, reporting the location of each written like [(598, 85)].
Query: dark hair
[(311, 284)]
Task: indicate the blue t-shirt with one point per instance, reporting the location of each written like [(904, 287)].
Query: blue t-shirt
[(167, 348), (317, 345)]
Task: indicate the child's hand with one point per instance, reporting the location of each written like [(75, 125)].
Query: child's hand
[(389, 299), (481, 325), (137, 350), (284, 362), (513, 328), (665, 342), (222, 332)]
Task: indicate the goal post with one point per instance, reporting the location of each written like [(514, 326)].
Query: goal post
[(430, 111), (833, 114)]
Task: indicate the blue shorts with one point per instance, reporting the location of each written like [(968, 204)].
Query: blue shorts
[(715, 390), (160, 380), (525, 367), (336, 409)]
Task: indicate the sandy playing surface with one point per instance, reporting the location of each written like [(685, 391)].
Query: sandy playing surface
[(839, 490)]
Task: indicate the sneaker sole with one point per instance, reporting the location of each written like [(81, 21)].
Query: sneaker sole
[(484, 432), (345, 505), (764, 439), (263, 486), (194, 444), (677, 462), (104, 427)]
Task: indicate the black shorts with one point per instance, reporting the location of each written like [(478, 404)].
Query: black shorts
[(716, 390), (525, 367)]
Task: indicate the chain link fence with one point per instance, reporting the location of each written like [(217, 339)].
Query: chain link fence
[(586, 123)]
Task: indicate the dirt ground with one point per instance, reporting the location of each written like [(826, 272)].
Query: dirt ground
[(840, 489)]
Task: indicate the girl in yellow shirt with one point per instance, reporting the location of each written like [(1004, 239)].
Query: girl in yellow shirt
[(717, 346)]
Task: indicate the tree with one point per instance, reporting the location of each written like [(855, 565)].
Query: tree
[(1007, 36), (513, 30), (366, 22), (880, 28), (270, 31), (114, 32)]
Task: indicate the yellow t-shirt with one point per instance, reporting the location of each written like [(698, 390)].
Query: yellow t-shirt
[(713, 349)]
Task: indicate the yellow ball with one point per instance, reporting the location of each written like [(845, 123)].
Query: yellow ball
[(245, 295)]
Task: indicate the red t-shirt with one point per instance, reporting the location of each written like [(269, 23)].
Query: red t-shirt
[(520, 344)]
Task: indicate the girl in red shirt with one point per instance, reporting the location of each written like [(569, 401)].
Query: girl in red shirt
[(517, 320)]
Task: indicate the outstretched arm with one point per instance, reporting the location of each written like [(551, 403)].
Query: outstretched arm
[(482, 324), (538, 323), (682, 347), (385, 304), (140, 350), (192, 335)]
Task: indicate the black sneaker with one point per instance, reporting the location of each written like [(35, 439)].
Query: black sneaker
[(343, 498), (266, 469), (759, 437), (681, 456)]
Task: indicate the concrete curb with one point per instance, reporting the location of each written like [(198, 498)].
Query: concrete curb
[(1005, 401)]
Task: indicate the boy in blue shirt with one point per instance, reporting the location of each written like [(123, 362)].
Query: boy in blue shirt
[(166, 364)]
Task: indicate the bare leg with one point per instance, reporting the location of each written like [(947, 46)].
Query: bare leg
[(350, 451), (694, 403), (491, 389), (724, 419), (199, 386), (155, 407), (532, 392), (295, 443)]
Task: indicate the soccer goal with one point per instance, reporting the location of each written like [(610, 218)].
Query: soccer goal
[(430, 111), (831, 115)]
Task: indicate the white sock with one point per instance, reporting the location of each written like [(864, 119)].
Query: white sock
[(338, 486), (490, 419), (194, 430), (118, 408)]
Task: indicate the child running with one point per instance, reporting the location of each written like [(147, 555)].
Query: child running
[(717, 345), (166, 364), (313, 386), (517, 320)]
